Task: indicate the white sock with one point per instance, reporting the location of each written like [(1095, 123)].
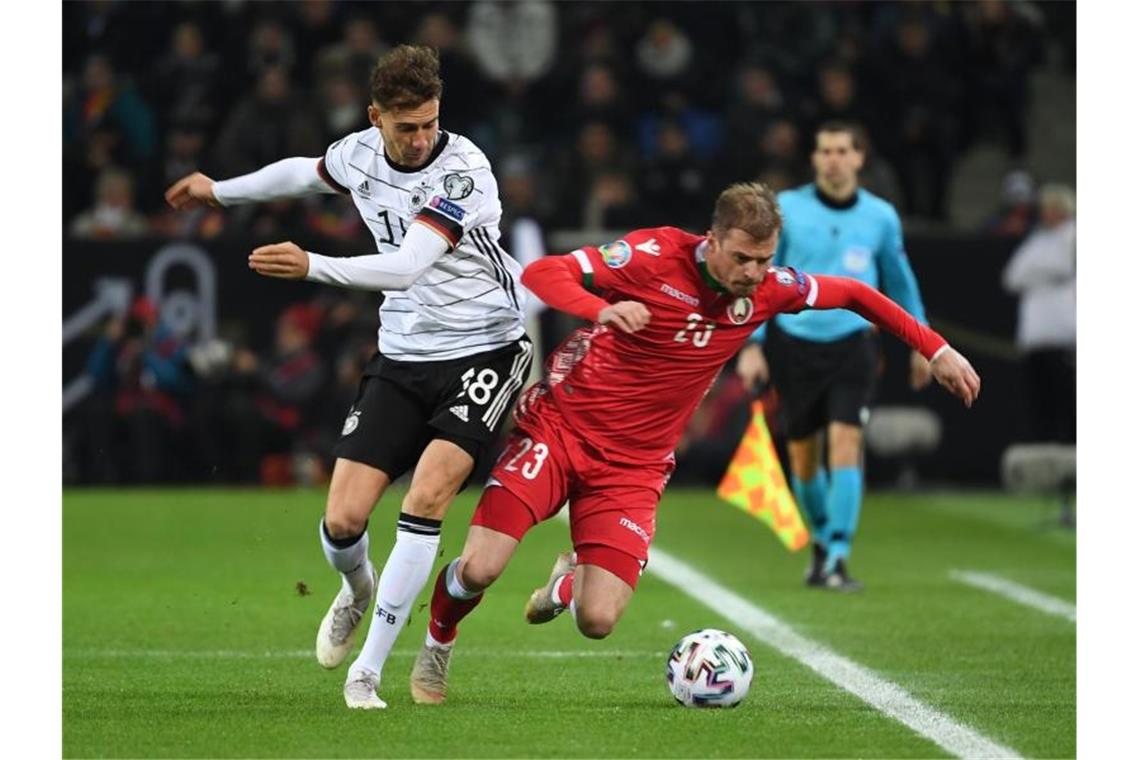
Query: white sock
[(350, 561), (405, 574)]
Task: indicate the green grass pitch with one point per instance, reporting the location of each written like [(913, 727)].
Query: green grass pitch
[(185, 635)]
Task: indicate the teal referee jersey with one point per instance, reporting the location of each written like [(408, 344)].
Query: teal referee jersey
[(860, 238)]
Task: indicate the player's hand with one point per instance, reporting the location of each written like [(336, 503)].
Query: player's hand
[(630, 316), (955, 374), (192, 191), (752, 366), (284, 260), (920, 373)]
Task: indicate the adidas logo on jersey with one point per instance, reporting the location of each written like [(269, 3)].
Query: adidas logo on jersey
[(363, 189), (460, 411)]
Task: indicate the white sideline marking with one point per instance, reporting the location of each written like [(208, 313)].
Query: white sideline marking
[(1015, 592), (883, 695), (305, 654)]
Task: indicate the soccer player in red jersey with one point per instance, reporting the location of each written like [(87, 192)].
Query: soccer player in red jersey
[(600, 430)]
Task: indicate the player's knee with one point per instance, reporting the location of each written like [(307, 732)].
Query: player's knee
[(427, 501), (477, 572), (596, 623), (344, 524)]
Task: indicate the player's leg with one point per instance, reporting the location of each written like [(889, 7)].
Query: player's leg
[(604, 581), (800, 374), (464, 402), (458, 590), (443, 468), (354, 490), (845, 497), (528, 484), (849, 399)]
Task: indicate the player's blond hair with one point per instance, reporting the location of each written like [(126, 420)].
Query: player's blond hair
[(406, 77), (748, 206)]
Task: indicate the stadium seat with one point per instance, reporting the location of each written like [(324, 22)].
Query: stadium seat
[(903, 432)]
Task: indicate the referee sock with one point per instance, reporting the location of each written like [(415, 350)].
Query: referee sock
[(844, 500), (349, 556), (812, 498), (404, 576)]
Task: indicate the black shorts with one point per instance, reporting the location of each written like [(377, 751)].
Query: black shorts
[(820, 383), (402, 406)]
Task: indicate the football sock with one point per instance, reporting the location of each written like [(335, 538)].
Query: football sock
[(450, 603), (812, 498), (349, 556), (563, 591), (403, 577), (844, 500)]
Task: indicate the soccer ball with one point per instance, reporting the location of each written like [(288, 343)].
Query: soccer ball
[(709, 668)]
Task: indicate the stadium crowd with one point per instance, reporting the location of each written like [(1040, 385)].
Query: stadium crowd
[(595, 115)]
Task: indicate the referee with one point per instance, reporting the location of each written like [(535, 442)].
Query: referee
[(824, 363)]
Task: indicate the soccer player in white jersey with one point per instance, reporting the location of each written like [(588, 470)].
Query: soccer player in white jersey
[(452, 356)]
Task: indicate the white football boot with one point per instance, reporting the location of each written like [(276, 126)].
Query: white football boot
[(429, 675), (542, 607), (338, 628), (360, 692)]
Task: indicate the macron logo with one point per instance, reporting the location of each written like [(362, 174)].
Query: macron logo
[(669, 290), (625, 522)]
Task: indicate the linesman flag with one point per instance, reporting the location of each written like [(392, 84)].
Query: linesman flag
[(755, 483)]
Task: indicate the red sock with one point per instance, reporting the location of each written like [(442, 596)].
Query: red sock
[(565, 589), (447, 611)]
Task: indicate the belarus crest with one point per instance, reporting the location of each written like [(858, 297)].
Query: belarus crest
[(740, 310)]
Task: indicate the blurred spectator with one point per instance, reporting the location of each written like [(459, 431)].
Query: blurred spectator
[(596, 150), (270, 47), (600, 98), (665, 57), (315, 25), (1018, 211), (113, 216), (105, 115), (613, 204), (267, 126), (356, 54), (141, 383), (919, 98), (275, 408), (779, 149), (676, 185), (514, 44), (757, 102), (466, 91), (344, 105), (1043, 273), (185, 80), (1003, 46)]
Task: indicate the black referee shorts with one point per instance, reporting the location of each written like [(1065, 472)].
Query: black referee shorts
[(402, 406), (819, 383)]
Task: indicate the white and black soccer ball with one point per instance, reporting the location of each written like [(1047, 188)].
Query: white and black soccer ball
[(709, 668)]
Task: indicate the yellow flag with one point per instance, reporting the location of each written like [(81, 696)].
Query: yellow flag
[(755, 483)]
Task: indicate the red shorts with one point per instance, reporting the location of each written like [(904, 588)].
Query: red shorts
[(613, 507)]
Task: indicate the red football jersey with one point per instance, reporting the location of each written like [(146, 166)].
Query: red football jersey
[(631, 395)]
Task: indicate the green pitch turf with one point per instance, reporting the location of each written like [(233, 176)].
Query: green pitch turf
[(189, 618)]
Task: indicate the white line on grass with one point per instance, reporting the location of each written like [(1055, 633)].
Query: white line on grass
[(304, 654), (1015, 592), (887, 697), (883, 695)]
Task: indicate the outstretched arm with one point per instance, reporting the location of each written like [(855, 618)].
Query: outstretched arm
[(421, 248), (287, 178), (949, 367), (557, 280)]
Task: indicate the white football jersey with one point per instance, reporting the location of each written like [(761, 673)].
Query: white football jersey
[(470, 300)]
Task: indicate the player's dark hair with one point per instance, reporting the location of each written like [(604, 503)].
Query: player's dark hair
[(748, 206), (858, 136), (406, 77)]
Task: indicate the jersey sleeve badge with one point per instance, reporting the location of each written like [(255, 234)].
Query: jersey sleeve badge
[(616, 254)]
